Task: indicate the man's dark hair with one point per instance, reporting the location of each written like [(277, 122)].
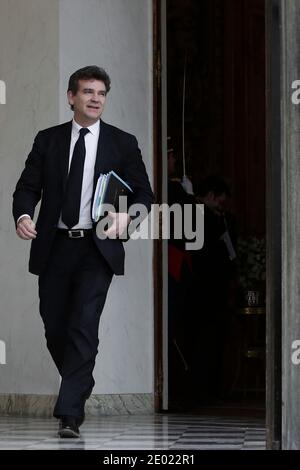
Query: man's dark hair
[(213, 183), (87, 73)]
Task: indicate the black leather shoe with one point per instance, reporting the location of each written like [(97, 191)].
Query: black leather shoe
[(68, 427)]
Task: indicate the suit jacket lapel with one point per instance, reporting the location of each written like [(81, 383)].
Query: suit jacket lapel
[(102, 164), (64, 140)]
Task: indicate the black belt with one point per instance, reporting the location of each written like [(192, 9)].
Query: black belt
[(75, 233)]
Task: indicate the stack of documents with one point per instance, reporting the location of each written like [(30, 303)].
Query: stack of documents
[(108, 190)]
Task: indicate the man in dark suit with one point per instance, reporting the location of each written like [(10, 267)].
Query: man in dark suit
[(74, 266)]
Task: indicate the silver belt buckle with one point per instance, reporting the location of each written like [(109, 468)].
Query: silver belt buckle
[(76, 233)]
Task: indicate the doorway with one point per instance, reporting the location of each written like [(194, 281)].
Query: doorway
[(215, 60)]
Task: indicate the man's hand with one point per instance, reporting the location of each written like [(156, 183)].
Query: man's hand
[(26, 229), (119, 224)]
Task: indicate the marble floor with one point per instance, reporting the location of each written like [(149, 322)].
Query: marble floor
[(159, 431)]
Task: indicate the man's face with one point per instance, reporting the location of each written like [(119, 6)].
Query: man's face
[(216, 203), (88, 102), (171, 163)]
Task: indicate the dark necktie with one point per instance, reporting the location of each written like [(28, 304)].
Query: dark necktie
[(72, 197)]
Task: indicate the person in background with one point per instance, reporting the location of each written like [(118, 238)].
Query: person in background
[(179, 281), (213, 267)]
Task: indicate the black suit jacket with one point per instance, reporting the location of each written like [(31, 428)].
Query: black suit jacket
[(45, 177)]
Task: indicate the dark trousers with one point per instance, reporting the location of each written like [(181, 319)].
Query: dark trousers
[(72, 291)]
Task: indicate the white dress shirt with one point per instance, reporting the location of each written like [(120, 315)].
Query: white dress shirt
[(91, 145)]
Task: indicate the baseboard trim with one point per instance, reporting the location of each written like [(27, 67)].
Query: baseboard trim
[(97, 405)]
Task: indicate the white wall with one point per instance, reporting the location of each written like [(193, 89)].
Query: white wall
[(115, 34), (29, 67)]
